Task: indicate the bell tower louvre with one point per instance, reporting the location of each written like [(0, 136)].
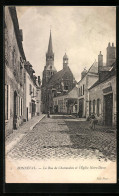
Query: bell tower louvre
[(49, 69)]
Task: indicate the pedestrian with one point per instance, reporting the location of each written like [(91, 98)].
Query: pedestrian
[(48, 114), (93, 121)]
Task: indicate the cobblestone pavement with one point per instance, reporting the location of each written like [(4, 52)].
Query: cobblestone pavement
[(22, 130), (63, 138)]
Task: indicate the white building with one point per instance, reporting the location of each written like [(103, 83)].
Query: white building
[(88, 78), (31, 93)]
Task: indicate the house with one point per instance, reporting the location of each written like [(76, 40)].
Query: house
[(88, 78), (14, 66), (102, 98), (31, 93), (67, 103)]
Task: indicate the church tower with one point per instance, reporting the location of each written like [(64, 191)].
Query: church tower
[(65, 61), (49, 69)]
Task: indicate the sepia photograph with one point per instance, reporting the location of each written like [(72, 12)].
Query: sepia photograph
[(60, 94)]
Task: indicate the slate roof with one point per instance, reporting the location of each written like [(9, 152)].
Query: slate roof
[(72, 94), (17, 30), (93, 70), (109, 74), (57, 76)]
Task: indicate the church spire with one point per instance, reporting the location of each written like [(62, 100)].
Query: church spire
[(50, 48)]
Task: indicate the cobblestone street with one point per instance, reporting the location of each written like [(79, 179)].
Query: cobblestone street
[(65, 137)]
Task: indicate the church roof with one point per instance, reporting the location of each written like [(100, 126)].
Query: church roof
[(58, 76), (50, 48)]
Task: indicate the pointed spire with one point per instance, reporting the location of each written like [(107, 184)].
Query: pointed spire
[(50, 48)]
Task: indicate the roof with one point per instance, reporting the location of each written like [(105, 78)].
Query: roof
[(17, 30), (50, 48), (58, 76), (65, 56), (108, 75), (72, 94), (93, 70), (105, 68)]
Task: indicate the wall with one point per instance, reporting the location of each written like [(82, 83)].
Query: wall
[(27, 96), (13, 78), (97, 93)]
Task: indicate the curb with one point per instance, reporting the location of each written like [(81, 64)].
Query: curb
[(36, 123), (22, 135)]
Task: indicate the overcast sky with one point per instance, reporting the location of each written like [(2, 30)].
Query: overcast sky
[(81, 31)]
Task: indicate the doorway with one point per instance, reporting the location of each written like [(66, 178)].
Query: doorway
[(15, 111), (108, 108), (81, 105)]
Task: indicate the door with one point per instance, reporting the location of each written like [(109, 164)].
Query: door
[(15, 111), (27, 113), (81, 105), (108, 109)]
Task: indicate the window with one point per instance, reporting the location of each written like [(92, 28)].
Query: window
[(93, 106), (7, 102), (24, 78), (33, 92), (98, 105), (66, 87), (30, 89), (21, 107), (83, 89), (79, 92), (89, 107)]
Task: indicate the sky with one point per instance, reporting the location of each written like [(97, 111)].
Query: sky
[(80, 31)]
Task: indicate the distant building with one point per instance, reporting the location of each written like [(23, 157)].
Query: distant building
[(88, 78), (55, 83), (67, 103), (14, 66), (31, 93), (102, 98)]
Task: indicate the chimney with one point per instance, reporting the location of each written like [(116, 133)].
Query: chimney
[(111, 54), (39, 81), (21, 34), (100, 61), (83, 73)]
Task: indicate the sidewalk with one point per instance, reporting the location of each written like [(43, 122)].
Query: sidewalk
[(17, 135)]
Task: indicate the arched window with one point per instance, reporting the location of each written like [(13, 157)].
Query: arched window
[(94, 106), (89, 107), (98, 106)]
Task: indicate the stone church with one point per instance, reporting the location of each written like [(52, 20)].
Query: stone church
[(55, 83)]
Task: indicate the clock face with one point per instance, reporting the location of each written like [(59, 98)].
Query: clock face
[(65, 61)]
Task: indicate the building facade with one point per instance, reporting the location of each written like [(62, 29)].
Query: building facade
[(67, 103), (31, 93), (102, 98), (14, 66), (88, 78), (55, 83)]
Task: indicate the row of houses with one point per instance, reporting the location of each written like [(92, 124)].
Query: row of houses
[(95, 93), (22, 88)]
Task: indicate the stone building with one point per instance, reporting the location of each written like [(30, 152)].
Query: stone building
[(31, 93), (14, 66), (102, 98), (67, 103), (55, 83), (88, 78)]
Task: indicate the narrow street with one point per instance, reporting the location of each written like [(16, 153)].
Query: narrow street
[(65, 137)]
